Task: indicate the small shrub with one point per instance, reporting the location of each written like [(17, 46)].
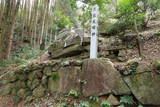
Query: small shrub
[(132, 68)]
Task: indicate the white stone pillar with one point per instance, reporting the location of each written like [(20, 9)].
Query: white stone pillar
[(94, 32)]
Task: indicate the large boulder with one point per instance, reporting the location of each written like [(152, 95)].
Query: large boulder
[(100, 78), (145, 87)]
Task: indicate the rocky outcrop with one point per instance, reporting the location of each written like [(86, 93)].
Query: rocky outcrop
[(102, 78), (63, 49), (78, 46)]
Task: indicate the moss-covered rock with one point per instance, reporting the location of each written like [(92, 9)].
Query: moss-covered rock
[(6, 89), (44, 80), (20, 84), (35, 83), (29, 84), (47, 71), (30, 98), (142, 68), (53, 85), (12, 76), (23, 93), (14, 91), (38, 73), (39, 91), (145, 88), (16, 99), (77, 63), (3, 82), (22, 77), (32, 76)]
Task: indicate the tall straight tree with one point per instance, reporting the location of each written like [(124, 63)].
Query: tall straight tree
[(7, 27)]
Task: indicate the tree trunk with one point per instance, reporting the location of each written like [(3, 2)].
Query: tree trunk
[(7, 27), (138, 40)]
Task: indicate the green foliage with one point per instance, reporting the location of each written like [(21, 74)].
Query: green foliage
[(55, 75), (156, 65), (73, 93), (84, 104), (73, 3), (105, 104), (61, 20), (128, 13), (126, 99), (132, 68), (94, 98)]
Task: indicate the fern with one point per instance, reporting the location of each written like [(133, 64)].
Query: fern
[(126, 99), (73, 93), (105, 104)]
